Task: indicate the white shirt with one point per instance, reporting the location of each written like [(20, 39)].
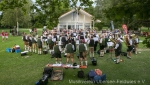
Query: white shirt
[(130, 41), (137, 40), (117, 45)]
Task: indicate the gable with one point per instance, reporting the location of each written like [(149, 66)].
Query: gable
[(73, 10)]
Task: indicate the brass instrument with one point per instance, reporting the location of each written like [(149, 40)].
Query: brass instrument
[(133, 36), (126, 40), (116, 35), (113, 40)]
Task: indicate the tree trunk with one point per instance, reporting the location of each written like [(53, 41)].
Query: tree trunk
[(17, 27)]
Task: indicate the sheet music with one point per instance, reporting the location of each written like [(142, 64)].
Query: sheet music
[(109, 44)]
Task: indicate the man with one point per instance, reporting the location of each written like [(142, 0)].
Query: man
[(102, 46), (82, 51), (130, 47), (136, 43), (39, 43), (118, 48), (70, 52), (50, 43), (34, 43), (64, 41), (30, 43), (91, 46), (57, 52), (96, 41), (24, 37)]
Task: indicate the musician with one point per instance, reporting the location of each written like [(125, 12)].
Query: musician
[(91, 46), (96, 41), (136, 42), (82, 51), (70, 52), (34, 43), (50, 43), (30, 43), (44, 38), (130, 47), (57, 52), (102, 46), (39, 43), (64, 41), (24, 38), (72, 39), (118, 48)]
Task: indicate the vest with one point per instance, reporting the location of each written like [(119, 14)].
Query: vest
[(103, 41), (33, 40), (119, 48), (56, 49), (91, 44), (50, 41), (39, 42), (63, 39), (29, 40), (24, 38), (81, 47), (69, 48)]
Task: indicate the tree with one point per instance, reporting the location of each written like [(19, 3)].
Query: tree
[(130, 12), (50, 10), (100, 14), (11, 16), (16, 5)]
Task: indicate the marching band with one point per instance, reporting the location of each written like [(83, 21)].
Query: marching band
[(80, 41)]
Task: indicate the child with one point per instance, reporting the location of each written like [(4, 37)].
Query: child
[(6, 35)]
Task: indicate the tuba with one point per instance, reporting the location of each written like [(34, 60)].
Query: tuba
[(113, 40), (126, 40)]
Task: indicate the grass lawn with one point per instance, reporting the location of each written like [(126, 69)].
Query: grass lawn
[(18, 70)]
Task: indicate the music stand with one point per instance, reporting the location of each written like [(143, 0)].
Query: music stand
[(110, 46)]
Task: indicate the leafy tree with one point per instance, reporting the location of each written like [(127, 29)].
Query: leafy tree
[(16, 8), (100, 14), (11, 16), (146, 42), (130, 12), (49, 10)]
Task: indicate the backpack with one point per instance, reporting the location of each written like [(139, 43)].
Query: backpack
[(48, 70), (103, 77), (97, 79), (94, 61), (91, 75), (43, 80), (81, 74), (123, 53)]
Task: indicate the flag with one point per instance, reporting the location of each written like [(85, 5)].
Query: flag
[(125, 28)]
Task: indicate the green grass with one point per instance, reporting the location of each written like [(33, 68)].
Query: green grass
[(145, 29), (18, 70)]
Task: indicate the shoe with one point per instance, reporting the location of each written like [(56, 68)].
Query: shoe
[(129, 57), (117, 63)]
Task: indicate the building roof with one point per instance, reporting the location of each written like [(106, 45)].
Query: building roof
[(81, 10)]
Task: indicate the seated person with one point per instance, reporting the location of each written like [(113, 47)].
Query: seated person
[(13, 48)]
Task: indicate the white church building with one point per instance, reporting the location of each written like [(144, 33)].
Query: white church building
[(75, 20)]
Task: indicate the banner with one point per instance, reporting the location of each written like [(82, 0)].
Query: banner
[(125, 28), (112, 25)]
